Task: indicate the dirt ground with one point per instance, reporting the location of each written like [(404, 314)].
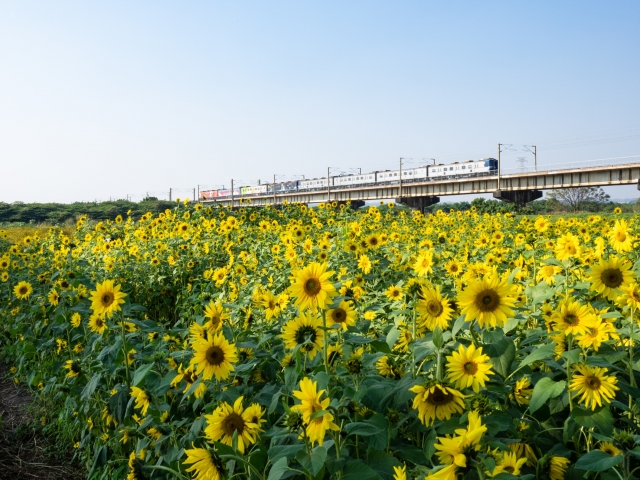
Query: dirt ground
[(25, 453)]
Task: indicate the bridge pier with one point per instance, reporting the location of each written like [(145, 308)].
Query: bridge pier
[(519, 197), (418, 203)]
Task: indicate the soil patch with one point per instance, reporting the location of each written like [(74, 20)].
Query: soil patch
[(25, 452)]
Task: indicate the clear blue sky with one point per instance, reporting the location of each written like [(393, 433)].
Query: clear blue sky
[(105, 99)]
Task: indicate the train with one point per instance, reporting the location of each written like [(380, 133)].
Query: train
[(426, 173)]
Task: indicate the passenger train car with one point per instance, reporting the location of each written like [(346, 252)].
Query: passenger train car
[(470, 168)]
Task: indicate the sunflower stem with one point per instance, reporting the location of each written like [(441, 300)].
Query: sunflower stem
[(324, 343), (124, 348), (570, 345), (413, 333)]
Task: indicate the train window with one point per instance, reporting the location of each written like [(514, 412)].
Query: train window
[(395, 174), (463, 167)]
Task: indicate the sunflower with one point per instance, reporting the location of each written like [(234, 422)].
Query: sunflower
[(436, 402), (386, 368), (373, 241), (434, 309), (311, 403), (598, 331), (488, 301), (468, 367), (453, 267), (611, 275), (344, 315), (572, 318), (509, 463), (548, 273), (97, 324), (304, 330), (594, 385), (225, 421), (107, 298), (619, 237), (364, 264), (452, 450), (521, 391), (216, 315), (393, 293), (204, 466), (142, 399), (630, 296), (424, 263), (214, 356), (76, 320), (557, 467), (22, 290), (609, 448), (73, 368), (446, 473), (567, 246), (312, 287), (189, 376), (400, 473)]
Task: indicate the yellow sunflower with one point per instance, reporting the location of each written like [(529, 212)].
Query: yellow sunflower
[(303, 329), (215, 315), (630, 296), (22, 290), (594, 385), (344, 315), (557, 467), (468, 367), (424, 263), (214, 356), (509, 463), (567, 246), (436, 402), (107, 298), (142, 399), (572, 318), (611, 275), (433, 308), (522, 391), (620, 238), (203, 465), (311, 403), (548, 273), (312, 287), (488, 301), (225, 421), (393, 293), (97, 324)]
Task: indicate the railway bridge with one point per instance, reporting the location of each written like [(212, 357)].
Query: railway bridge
[(519, 186)]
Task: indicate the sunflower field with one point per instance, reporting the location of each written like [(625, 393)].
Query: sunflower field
[(315, 343)]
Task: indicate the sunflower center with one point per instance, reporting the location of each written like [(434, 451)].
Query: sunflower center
[(612, 277), (434, 308), (107, 299), (23, 290), (233, 423), (305, 332), (593, 382), (570, 248), (312, 286), (470, 367), (439, 397), (339, 315), (621, 236), (487, 300), (453, 268), (509, 469), (99, 322), (215, 355), (571, 319)]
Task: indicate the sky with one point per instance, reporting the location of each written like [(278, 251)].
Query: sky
[(120, 99)]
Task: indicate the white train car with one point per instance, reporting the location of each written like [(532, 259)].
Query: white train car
[(486, 166), (258, 190), (227, 193), (346, 181), (314, 183)]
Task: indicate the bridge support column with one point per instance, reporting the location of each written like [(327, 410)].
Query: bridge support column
[(418, 203), (519, 197), (355, 204)]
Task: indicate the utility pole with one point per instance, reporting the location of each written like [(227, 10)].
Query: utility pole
[(400, 196), (535, 159), (274, 189), (194, 195), (328, 186), (198, 192), (499, 145), (232, 194), (170, 194)]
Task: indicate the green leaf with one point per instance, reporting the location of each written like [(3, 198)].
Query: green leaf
[(545, 389), (458, 325), (357, 470), (278, 469), (319, 413), (382, 463), (141, 373), (502, 354), (430, 444), (573, 356), (598, 461), (539, 354), (437, 339), (314, 461), (392, 336), (361, 428), (600, 418), (90, 387)]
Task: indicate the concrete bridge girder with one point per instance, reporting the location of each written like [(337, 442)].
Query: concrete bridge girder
[(545, 180)]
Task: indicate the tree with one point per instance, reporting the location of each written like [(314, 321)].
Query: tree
[(578, 197)]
